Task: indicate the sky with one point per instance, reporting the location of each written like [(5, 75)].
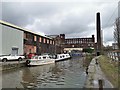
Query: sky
[(74, 18)]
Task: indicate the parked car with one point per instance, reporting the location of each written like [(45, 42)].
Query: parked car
[(11, 57)]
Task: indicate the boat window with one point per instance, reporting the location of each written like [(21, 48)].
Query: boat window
[(56, 56), (36, 57), (44, 57), (60, 56), (63, 56), (39, 57), (50, 56)]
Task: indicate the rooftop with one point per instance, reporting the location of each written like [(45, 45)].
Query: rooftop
[(20, 28)]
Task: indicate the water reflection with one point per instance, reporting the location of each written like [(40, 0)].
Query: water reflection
[(64, 74), (31, 75)]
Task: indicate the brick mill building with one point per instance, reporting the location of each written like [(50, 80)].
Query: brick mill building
[(68, 44), (17, 40)]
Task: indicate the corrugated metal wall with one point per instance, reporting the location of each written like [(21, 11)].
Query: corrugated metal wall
[(0, 39), (11, 38)]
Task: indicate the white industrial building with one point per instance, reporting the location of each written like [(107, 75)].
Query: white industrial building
[(11, 39)]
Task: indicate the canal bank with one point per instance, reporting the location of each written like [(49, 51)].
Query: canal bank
[(96, 77), (111, 69), (12, 65)]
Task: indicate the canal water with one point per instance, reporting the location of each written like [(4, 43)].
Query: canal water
[(64, 74)]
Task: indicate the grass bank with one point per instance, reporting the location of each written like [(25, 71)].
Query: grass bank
[(110, 69)]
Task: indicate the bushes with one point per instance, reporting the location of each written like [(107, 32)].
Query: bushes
[(88, 50), (87, 60)]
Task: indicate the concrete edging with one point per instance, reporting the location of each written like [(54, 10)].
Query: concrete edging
[(7, 66)]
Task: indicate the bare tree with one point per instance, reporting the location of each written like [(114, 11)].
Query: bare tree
[(117, 32), (117, 39)]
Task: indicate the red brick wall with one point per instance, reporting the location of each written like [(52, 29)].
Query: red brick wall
[(29, 49)]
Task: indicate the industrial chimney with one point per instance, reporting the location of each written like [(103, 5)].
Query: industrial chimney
[(98, 28)]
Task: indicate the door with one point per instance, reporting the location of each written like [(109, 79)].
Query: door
[(14, 51)]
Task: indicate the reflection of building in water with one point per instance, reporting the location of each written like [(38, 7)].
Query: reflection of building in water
[(27, 76), (56, 69)]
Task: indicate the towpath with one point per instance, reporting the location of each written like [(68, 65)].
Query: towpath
[(96, 77)]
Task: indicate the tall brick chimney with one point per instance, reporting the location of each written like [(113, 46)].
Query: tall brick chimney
[(98, 28), (93, 38)]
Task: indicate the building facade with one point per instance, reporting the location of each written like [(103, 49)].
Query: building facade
[(11, 40), (80, 43), (0, 39), (59, 42), (34, 43), (68, 44), (17, 40), (114, 46)]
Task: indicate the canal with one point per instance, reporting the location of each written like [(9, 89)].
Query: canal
[(64, 74)]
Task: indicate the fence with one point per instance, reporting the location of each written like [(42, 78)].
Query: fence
[(114, 55)]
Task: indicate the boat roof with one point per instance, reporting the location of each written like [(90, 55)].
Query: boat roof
[(40, 55)]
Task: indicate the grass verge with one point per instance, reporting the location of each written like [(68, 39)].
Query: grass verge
[(110, 69)]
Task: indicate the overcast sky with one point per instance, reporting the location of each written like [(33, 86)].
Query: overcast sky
[(74, 18)]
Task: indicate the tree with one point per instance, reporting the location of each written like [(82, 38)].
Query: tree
[(117, 39), (107, 48), (89, 50), (117, 32)]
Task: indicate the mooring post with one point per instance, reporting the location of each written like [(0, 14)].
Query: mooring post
[(100, 81)]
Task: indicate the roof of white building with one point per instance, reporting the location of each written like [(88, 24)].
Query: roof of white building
[(22, 29)]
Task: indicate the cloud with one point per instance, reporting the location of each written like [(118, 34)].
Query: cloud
[(75, 19), (108, 34), (22, 14)]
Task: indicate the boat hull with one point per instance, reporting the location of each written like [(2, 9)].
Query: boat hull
[(39, 62), (57, 60)]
